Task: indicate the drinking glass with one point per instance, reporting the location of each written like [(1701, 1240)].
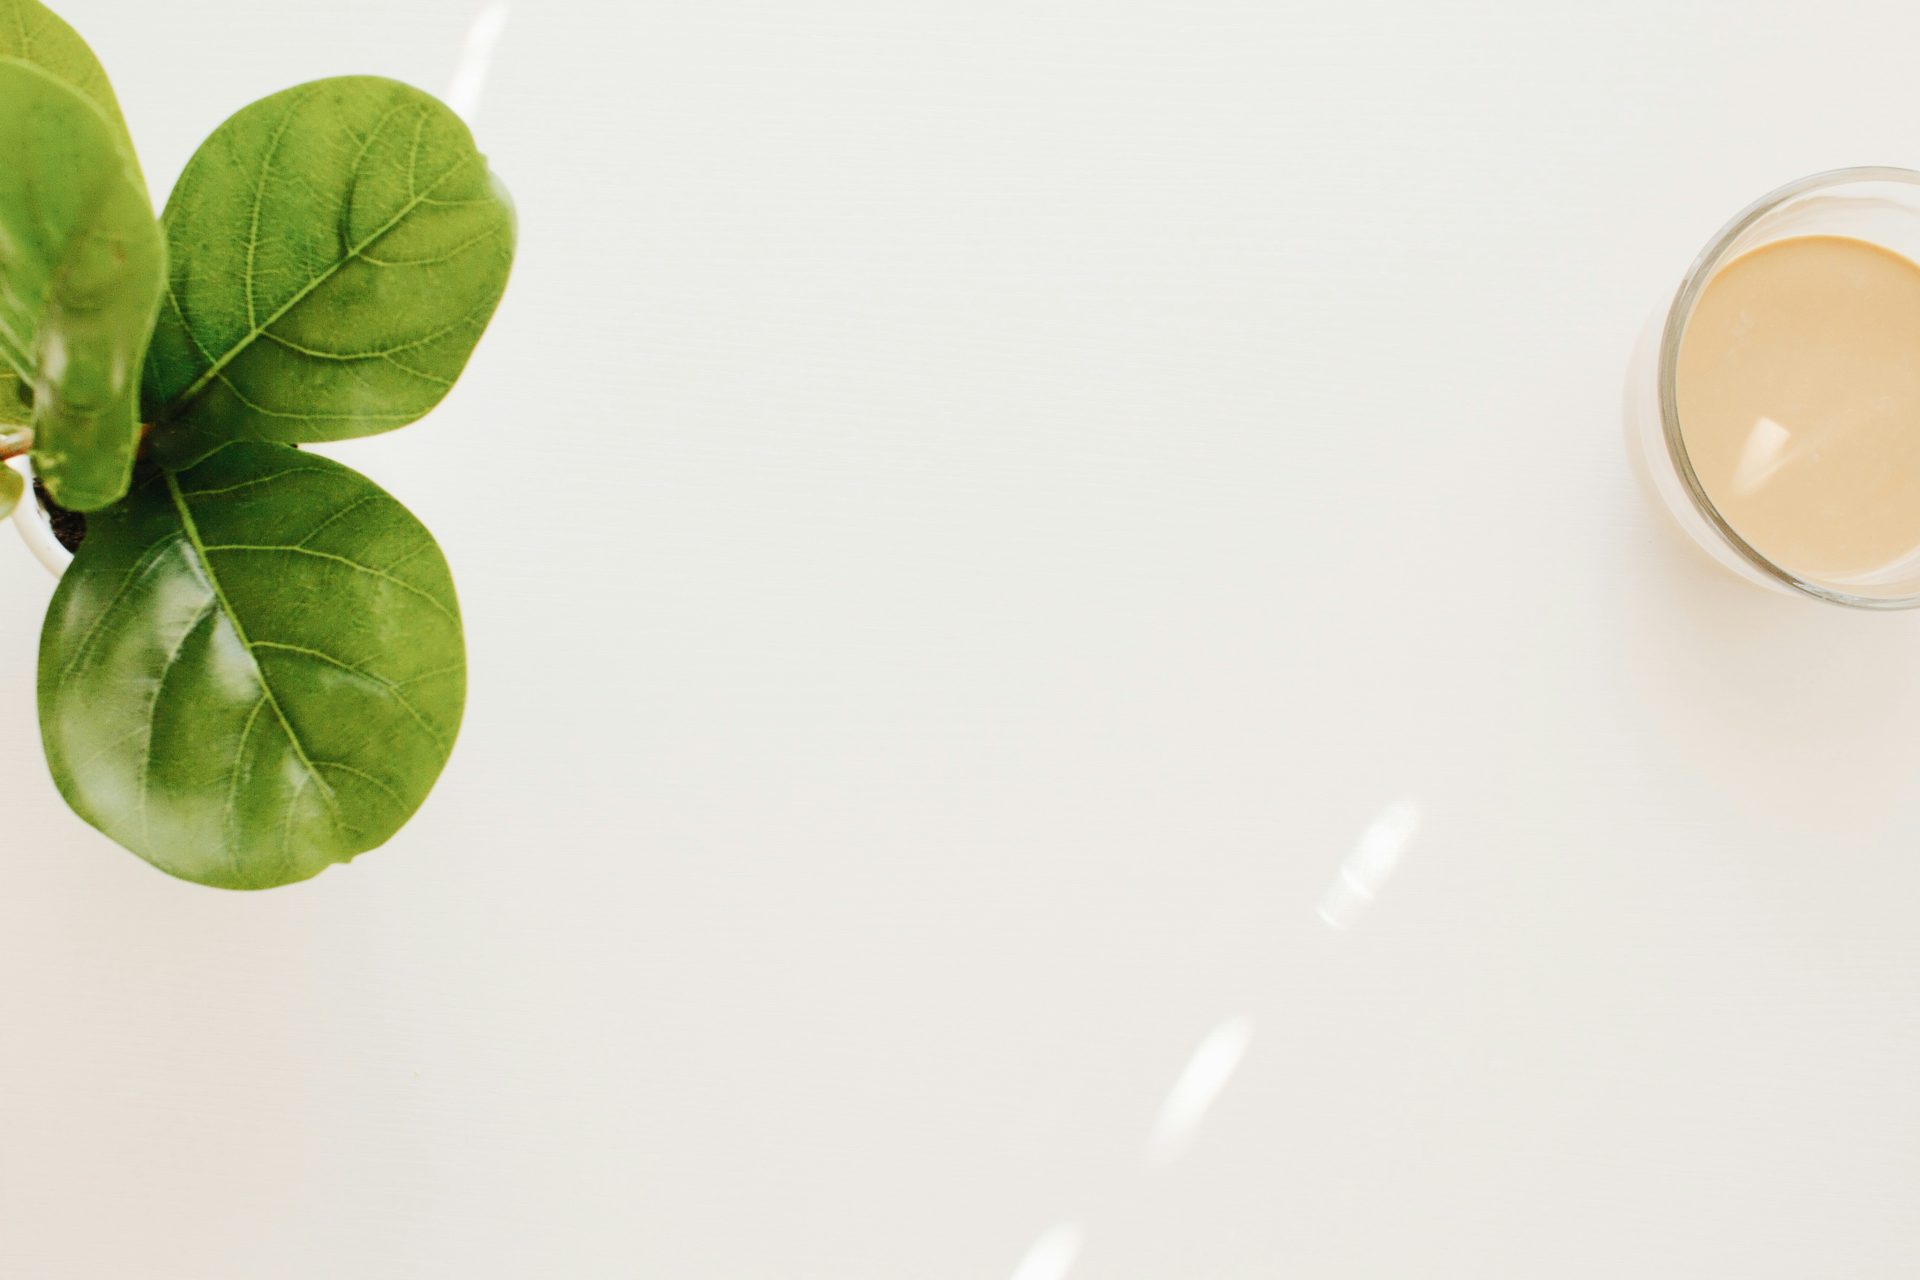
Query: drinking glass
[(1880, 205)]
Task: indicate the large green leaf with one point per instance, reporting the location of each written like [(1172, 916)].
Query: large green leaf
[(253, 669), (11, 487), (81, 270), (32, 33), (336, 251)]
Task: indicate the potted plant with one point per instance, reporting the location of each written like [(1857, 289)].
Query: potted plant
[(253, 667)]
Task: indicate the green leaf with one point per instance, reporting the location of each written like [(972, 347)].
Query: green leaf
[(336, 251), (80, 277), (16, 399), (253, 669), (11, 487), (32, 33)]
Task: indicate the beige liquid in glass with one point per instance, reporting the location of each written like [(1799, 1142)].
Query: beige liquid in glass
[(1799, 397)]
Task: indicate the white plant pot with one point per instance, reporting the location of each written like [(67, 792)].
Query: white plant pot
[(35, 529)]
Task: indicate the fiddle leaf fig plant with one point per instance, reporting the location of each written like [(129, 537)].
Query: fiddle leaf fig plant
[(254, 667)]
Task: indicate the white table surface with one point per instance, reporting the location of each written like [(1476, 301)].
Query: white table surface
[(970, 515)]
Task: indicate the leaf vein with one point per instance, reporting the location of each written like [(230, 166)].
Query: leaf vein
[(136, 574), (283, 548), (257, 480), (259, 198), (386, 686), (341, 514), (366, 777), (399, 415), (233, 789)]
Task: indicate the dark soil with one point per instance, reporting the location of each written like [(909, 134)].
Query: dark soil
[(70, 527)]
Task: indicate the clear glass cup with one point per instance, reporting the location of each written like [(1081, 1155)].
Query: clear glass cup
[(1877, 204)]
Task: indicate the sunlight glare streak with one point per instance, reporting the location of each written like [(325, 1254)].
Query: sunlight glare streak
[(1051, 1256), (1764, 453), (1374, 857), (470, 78), (1200, 1085)]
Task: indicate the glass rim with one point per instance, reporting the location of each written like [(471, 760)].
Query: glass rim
[(1704, 267)]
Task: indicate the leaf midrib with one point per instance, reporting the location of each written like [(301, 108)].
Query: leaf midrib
[(254, 332), (192, 530)]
